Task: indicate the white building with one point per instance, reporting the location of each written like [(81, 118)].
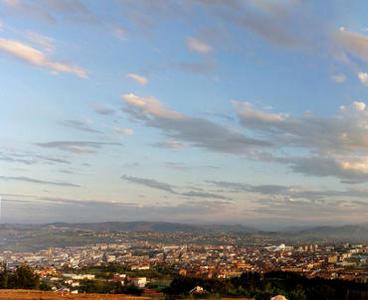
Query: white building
[(139, 281)]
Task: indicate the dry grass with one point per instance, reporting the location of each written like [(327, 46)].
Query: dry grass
[(39, 295)]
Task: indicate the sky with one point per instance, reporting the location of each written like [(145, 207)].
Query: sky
[(200, 111)]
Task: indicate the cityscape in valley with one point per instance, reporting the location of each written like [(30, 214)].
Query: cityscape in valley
[(160, 260), (219, 255), (183, 149)]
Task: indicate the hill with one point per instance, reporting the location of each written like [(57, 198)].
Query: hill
[(140, 226)]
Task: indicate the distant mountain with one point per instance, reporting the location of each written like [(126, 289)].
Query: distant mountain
[(338, 233), (155, 227), (31, 237), (237, 228), (348, 233)]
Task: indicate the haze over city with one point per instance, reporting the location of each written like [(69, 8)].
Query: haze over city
[(228, 112)]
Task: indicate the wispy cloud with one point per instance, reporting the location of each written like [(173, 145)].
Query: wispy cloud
[(28, 54), (170, 144), (103, 109), (334, 146), (138, 78), (339, 78), (124, 131), (338, 142), (30, 158), (197, 132), (152, 183), (202, 67), (78, 147), (52, 11), (275, 22), (48, 209), (38, 181), (352, 42), (177, 166), (44, 42), (291, 192), (197, 45), (166, 187), (79, 125)]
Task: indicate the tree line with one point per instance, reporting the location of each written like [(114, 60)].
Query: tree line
[(264, 286), (22, 277)]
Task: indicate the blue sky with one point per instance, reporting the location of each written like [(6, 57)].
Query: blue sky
[(197, 111)]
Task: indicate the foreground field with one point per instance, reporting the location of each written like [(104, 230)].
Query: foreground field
[(39, 295)]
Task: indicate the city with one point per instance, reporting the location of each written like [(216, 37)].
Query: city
[(183, 149), (145, 263), (344, 261)]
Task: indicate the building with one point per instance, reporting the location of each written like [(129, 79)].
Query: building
[(198, 290), (139, 281)]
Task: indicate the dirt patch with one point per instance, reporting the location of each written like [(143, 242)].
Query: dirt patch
[(39, 295)]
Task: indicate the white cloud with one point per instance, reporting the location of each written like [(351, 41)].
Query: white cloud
[(363, 77), (192, 131), (359, 106), (339, 78), (151, 105), (124, 131), (360, 165), (354, 43), (45, 42), (345, 131), (198, 46), (36, 57), (246, 110), (138, 78), (330, 145)]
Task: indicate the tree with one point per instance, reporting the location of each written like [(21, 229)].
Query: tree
[(4, 276), (297, 294), (24, 278)]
